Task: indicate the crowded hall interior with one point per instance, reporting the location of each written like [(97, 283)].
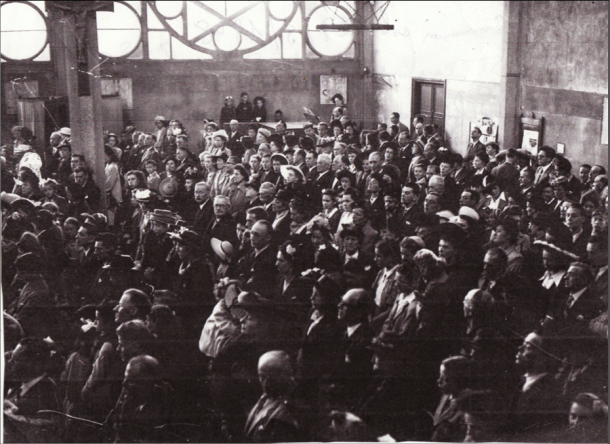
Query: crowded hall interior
[(297, 221)]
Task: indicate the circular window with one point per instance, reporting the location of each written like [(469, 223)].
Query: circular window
[(118, 32), (24, 31), (280, 10), (227, 38), (329, 43)]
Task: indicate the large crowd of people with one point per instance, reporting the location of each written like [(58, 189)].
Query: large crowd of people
[(346, 284)]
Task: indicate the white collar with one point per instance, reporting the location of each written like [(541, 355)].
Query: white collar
[(577, 295), (549, 279), (530, 380), (601, 271), (352, 328), (352, 256)]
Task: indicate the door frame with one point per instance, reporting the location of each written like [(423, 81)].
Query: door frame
[(443, 83)]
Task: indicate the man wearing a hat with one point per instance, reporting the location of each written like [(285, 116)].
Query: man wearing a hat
[(34, 308), (22, 212)]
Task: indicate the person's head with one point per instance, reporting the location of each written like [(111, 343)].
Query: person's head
[(281, 127), (455, 375), (599, 221), (55, 139), (410, 193), (81, 175), (310, 159), (142, 373), (105, 246), (391, 202), (278, 115), (532, 357), (375, 161), (419, 129), (575, 218), (134, 304), (240, 174), (348, 198), (545, 155), (171, 164), (430, 151), (583, 172), (432, 203), (469, 198), (135, 179), (266, 192), (355, 306), (590, 413), (495, 263), (405, 278), (600, 182), (329, 199), (492, 149), (526, 177), (253, 215), (86, 234), (222, 206), (578, 276), (475, 134), (134, 339), (275, 373), (387, 254), (260, 234), (243, 97), (323, 163), (70, 227), (149, 139), (505, 233), (480, 161)]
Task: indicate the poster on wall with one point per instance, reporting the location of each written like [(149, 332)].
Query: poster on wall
[(530, 141), (605, 123), (331, 85), (488, 127)]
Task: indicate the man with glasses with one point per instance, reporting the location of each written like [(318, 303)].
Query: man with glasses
[(223, 226), (545, 166)]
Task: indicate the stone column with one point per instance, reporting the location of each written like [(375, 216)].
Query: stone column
[(76, 60), (510, 80)]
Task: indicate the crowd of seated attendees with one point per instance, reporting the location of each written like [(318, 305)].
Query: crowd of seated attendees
[(349, 284)]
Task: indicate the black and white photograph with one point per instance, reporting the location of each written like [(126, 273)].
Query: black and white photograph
[(304, 221)]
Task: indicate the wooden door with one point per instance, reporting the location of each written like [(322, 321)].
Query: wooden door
[(428, 100)]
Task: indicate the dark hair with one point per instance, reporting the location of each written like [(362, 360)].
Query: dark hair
[(109, 151), (428, 130), (550, 152), (389, 249), (140, 300), (483, 156), (395, 114), (108, 239), (511, 227), (415, 187)]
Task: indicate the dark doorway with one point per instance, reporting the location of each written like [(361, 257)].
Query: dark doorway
[(428, 100)]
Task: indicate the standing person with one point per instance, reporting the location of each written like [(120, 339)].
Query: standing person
[(228, 111), (113, 183), (244, 109), (259, 112)]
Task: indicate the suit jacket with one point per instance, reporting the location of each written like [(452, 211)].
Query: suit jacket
[(259, 271), (508, 176), (357, 356), (224, 229), (376, 211), (583, 310), (324, 180), (542, 175), (473, 149), (204, 216), (369, 238), (389, 292), (281, 231)]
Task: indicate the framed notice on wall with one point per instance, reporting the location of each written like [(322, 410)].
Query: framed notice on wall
[(531, 133), (331, 85)]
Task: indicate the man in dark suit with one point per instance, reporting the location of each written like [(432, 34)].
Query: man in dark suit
[(580, 305), (475, 146), (299, 161), (258, 271), (354, 309), (575, 221), (310, 162), (507, 173), (431, 154), (234, 135), (281, 222), (222, 226), (205, 211), (413, 210), (546, 154), (325, 176)]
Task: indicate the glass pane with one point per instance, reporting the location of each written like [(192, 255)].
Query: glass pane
[(426, 98), (439, 102), (281, 10), (182, 52), (227, 38), (24, 31), (330, 43), (271, 51), (169, 9), (176, 24), (297, 22), (118, 32), (153, 21), (44, 56), (247, 42), (198, 21), (40, 5), (291, 45), (137, 54), (351, 52), (136, 5), (158, 45), (234, 6), (254, 21), (310, 6)]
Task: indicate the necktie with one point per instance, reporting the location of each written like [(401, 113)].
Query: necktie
[(568, 305)]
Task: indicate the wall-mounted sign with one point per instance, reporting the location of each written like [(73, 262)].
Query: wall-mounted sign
[(331, 85)]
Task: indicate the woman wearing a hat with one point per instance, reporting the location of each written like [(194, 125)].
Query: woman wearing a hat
[(219, 141), (277, 161), (193, 282)]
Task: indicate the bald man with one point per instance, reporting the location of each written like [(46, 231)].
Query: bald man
[(144, 404), (271, 420)]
